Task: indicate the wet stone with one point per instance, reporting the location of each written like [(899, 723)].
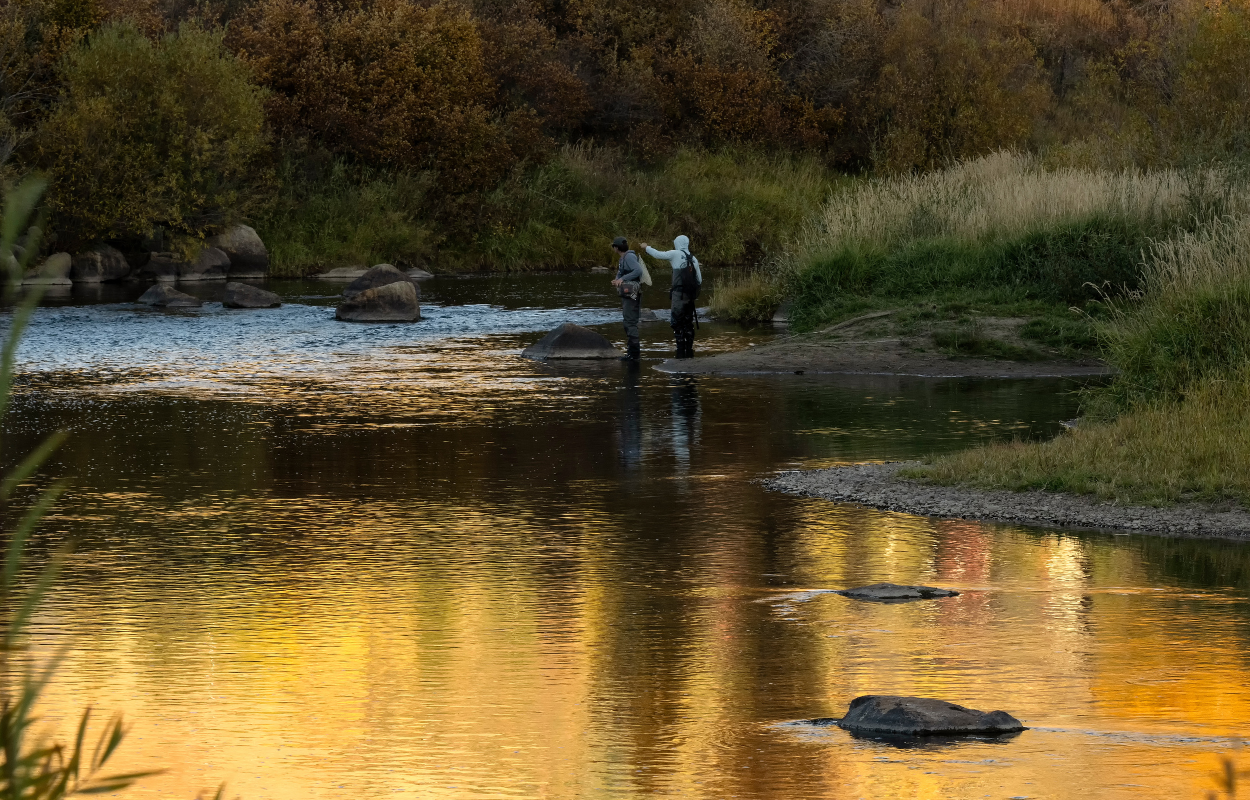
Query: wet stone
[(164, 295), (921, 716), (393, 302), (210, 265), (162, 267), (571, 341), (240, 295), (249, 258), (99, 264), (896, 593), (375, 277)]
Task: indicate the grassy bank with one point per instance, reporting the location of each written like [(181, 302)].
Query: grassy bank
[(996, 232), (738, 207), (1196, 448), (1175, 423)]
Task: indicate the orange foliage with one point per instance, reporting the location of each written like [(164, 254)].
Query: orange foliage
[(392, 82)]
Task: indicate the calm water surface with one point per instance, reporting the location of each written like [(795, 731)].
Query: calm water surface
[(323, 560)]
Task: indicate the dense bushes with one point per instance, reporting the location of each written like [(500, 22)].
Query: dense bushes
[(737, 205), (391, 83), (472, 98), (149, 134)]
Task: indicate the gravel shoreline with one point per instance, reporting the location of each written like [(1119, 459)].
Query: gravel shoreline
[(877, 486)]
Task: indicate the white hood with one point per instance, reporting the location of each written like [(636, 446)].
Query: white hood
[(681, 243)]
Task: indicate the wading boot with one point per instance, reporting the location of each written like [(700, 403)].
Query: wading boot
[(633, 350)]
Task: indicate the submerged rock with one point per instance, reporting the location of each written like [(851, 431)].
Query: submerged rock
[(249, 258), (418, 274), (240, 295), (393, 302), (920, 716), (375, 276), (164, 295), (896, 593), (210, 265), (571, 341), (99, 264)]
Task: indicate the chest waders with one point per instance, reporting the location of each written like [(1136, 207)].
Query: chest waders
[(631, 310), (683, 318)]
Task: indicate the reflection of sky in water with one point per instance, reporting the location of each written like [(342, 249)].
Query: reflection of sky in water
[(219, 350), (578, 590)]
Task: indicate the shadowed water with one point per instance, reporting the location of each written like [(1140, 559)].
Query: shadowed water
[(324, 560)]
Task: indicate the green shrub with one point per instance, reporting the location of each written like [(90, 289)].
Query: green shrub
[(738, 206), (152, 134), (745, 297), (1070, 263), (1191, 322), (345, 216)]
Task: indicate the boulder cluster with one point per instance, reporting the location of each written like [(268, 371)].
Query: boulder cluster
[(236, 253), (384, 293)]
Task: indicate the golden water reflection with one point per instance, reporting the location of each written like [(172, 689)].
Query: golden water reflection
[(564, 583)]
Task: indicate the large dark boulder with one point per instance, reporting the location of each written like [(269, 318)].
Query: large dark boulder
[(571, 341), (165, 296), (920, 716), (99, 264), (210, 265), (393, 302), (896, 593), (240, 295), (376, 276), (249, 258), (161, 267), (53, 272)]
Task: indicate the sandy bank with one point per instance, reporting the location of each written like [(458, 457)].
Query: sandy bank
[(876, 344), (877, 486)]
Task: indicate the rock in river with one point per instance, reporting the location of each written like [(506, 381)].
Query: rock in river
[(53, 272), (210, 265), (375, 276), (164, 295), (571, 341), (99, 264), (894, 593), (393, 302), (161, 267), (248, 255), (921, 716), (240, 295)]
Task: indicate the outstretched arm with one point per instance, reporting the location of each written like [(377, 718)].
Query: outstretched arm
[(667, 255)]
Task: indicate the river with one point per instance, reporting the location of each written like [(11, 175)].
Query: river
[(323, 560)]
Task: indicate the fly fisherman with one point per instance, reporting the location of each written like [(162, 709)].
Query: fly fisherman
[(628, 283), (687, 280)]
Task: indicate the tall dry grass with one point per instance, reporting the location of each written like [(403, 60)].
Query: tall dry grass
[(1006, 224), (1190, 322), (1000, 196)]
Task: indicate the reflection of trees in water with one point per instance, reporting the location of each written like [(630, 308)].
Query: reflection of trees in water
[(473, 577)]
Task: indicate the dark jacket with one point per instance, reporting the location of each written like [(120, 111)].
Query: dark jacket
[(629, 268)]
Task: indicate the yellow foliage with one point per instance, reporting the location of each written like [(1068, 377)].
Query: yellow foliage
[(151, 134), (393, 82), (959, 81)]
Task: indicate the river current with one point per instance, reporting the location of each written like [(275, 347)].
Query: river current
[(323, 560)]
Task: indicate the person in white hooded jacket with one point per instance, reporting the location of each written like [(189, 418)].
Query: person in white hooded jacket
[(687, 281)]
